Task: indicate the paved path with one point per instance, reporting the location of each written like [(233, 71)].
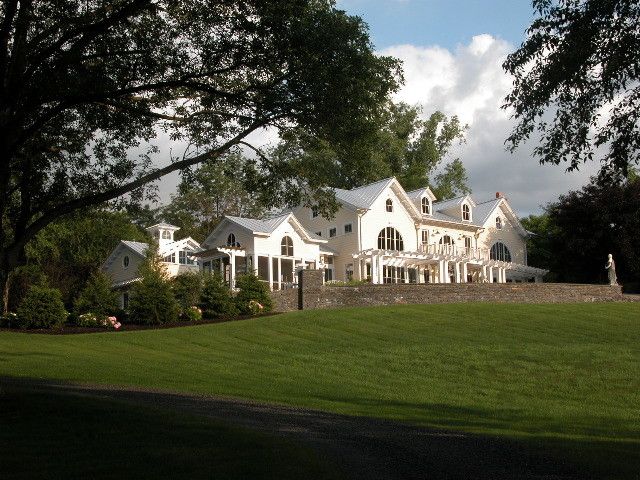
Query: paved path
[(362, 448)]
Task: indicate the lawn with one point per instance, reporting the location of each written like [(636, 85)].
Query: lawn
[(564, 375), (68, 436)]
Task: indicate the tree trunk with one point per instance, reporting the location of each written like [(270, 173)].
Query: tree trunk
[(9, 260)]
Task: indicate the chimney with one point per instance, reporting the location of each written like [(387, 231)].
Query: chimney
[(499, 195)]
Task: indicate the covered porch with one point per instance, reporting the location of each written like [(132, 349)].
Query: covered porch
[(439, 264)]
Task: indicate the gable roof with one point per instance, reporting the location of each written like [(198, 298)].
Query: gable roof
[(453, 203), (264, 227), (362, 197), (487, 208), (138, 247), (484, 210), (416, 195)]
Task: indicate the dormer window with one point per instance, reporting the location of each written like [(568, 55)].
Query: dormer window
[(389, 205), (166, 235), (231, 241), (498, 223), (466, 212), (426, 208)]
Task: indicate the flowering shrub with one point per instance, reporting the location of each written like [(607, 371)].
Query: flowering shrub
[(93, 320), (192, 314), (255, 307)]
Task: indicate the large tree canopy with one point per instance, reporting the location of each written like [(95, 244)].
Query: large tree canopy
[(87, 85), (402, 144), (576, 82), (576, 233)]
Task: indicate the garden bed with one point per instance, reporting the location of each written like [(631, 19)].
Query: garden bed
[(74, 329)]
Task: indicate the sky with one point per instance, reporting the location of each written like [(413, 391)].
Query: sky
[(452, 53)]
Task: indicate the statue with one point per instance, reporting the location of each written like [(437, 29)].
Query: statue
[(611, 270)]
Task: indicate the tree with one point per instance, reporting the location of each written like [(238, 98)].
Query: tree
[(72, 248), (402, 144), (88, 86), (582, 227), (209, 193), (576, 83), (97, 297), (152, 299)]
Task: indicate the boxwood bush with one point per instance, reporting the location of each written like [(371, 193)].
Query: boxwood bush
[(41, 307)]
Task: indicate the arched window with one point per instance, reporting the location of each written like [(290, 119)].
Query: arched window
[(286, 247), (499, 251), (446, 240), (231, 241), (389, 205), (466, 212), (425, 206), (390, 239), (166, 235), (498, 223)]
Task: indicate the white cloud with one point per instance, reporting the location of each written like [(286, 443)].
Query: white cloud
[(471, 84)]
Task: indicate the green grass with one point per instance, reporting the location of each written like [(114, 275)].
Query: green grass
[(69, 436), (568, 375)]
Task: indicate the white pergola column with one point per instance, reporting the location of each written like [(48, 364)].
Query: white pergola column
[(465, 272), (457, 270), (490, 274), (374, 271), (279, 273), (232, 270), (358, 269), (270, 269), (380, 269)]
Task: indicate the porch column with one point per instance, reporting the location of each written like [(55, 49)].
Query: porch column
[(279, 273), (374, 271), (419, 273), (358, 275), (380, 269), (232, 270), (490, 274), (270, 269), (254, 264), (465, 272), (457, 269)]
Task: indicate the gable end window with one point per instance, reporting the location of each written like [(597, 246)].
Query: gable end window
[(466, 212), (125, 261), (348, 228), (426, 208), (389, 205), (231, 241), (333, 231), (314, 212), (498, 223), (499, 251), (286, 247)]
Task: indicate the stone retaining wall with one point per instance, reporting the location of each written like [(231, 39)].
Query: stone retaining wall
[(312, 294)]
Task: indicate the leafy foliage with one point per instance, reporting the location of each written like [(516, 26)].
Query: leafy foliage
[(252, 290), (209, 193), (400, 144), (152, 300), (88, 86), (577, 232), (187, 289), (21, 280), (576, 83), (42, 307), (97, 297), (216, 298), (71, 249)]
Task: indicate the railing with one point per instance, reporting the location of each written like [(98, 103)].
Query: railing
[(454, 251)]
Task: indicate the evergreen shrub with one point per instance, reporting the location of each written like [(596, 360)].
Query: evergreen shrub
[(152, 301), (97, 297), (41, 307), (253, 296), (216, 299), (187, 288)]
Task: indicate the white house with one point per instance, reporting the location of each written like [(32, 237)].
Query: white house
[(273, 249), (381, 233), (125, 259)]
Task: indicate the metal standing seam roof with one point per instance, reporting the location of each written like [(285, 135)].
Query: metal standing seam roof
[(483, 210), (446, 204), (138, 247), (362, 197), (255, 225)]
